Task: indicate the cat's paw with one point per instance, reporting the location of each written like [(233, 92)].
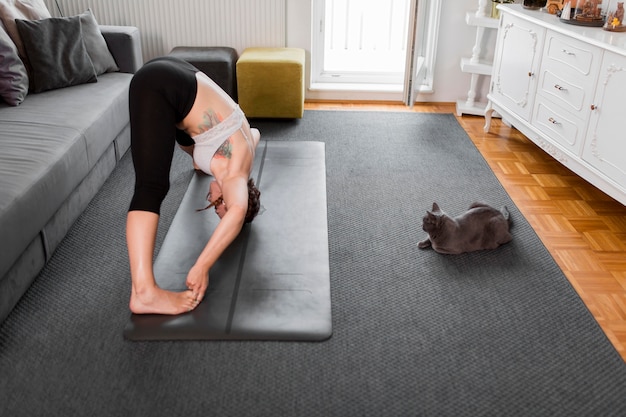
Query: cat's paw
[(424, 244)]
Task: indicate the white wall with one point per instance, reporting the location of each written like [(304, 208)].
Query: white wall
[(456, 40)]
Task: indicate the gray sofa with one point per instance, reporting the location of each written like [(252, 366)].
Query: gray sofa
[(57, 148)]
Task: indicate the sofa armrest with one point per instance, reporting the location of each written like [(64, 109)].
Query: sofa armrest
[(125, 46)]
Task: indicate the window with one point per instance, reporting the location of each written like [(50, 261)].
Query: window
[(373, 44), (364, 40)]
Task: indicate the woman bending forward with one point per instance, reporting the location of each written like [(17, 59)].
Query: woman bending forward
[(171, 101)]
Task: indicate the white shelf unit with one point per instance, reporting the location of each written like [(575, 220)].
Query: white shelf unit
[(476, 65)]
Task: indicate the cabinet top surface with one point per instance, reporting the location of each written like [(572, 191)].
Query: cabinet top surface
[(614, 41)]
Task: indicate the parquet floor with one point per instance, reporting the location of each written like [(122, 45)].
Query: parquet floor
[(584, 229)]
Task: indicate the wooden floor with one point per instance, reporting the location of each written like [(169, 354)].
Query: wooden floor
[(584, 229)]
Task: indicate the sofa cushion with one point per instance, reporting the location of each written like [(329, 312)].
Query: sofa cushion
[(46, 154), (13, 75), (56, 52), (38, 170)]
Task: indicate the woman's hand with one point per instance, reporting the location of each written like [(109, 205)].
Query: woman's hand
[(198, 282)]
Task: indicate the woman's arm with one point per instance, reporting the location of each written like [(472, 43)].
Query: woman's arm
[(235, 194)]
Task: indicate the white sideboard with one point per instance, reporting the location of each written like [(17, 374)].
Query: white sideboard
[(564, 87)]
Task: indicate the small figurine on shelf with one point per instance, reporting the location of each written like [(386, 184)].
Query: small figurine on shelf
[(619, 13), (554, 6), (586, 13), (614, 19), (589, 12)]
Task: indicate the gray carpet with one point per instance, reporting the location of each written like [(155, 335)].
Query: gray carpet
[(498, 333)]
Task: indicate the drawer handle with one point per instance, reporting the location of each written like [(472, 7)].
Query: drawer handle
[(553, 121), (530, 73), (560, 87), (594, 107), (566, 52)]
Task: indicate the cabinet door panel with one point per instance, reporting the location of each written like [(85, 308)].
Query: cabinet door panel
[(519, 52), (605, 145)]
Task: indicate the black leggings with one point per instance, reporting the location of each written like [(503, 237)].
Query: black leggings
[(161, 94)]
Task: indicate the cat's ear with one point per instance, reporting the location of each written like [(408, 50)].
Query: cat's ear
[(435, 207)]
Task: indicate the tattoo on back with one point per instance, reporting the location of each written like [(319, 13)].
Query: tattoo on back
[(225, 150), (209, 119)]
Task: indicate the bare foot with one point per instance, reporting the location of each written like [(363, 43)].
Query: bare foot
[(159, 301)]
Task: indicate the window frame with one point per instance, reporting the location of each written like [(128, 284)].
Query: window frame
[(419, 73)]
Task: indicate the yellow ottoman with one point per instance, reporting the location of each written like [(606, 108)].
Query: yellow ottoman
[(270, 82)]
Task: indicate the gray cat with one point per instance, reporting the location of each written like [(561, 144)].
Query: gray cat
[(481, 227)]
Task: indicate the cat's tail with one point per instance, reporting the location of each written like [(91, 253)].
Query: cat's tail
[(505, 212)]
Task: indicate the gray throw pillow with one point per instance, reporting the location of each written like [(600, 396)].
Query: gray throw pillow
[(57, 53), (13, 75), (96, 45)]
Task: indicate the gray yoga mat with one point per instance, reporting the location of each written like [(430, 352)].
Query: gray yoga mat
[(273, 282)]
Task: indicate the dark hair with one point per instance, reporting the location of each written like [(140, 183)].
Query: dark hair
[(254, 201)]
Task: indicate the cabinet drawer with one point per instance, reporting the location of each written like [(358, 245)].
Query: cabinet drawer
[(572, 96), (570, 54), (559, 125)]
